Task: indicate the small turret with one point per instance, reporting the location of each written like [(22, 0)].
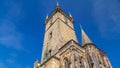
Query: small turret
[(57, 6), (70, 15), (47, 17)]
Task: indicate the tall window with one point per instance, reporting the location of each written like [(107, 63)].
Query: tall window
[(67, 63), (90, 61), (95, 60), (50, 35), (81, 61), (76, 59), (99, 59), (50, 53)]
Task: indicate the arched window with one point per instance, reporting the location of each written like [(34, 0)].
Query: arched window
[(76, 60), (99, 59), (67, 63), (95, 60), (90, 61), (82, 62)]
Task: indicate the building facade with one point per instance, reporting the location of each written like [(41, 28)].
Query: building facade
[(61, 48)]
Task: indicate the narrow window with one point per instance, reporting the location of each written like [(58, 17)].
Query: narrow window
[(50, 35), (90, 61), (49, 52), (82, 65), (67, 63)]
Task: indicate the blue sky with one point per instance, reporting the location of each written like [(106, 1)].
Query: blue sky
[(22, 28)]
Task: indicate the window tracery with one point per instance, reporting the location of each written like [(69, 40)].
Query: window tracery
[(67, 63)]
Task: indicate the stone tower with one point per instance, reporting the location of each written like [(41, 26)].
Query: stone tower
[(61, 49)]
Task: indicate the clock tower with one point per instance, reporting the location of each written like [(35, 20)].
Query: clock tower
[(61, 48), (59, 30)]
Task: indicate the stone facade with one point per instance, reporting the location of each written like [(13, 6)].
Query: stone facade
[(61, 48)]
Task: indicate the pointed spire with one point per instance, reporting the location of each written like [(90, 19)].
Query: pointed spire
[(36, 60), (47, 16), (85, 38), (57, 4), (70, 15)]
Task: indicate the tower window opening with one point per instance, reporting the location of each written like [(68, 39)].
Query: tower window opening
[(81, 62), (50, 35), (67, 63), (50, 52)]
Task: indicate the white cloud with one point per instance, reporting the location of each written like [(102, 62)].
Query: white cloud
[(13, 55), (9, 36), (107, 14), (10, 61), (2, 65)]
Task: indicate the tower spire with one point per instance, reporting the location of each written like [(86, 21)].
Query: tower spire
[(85, 38), (57, 6), (47, 16), (70, 15)]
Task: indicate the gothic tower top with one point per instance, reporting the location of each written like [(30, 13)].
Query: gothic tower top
[(61, 48), (58, 9), (59, 30)]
